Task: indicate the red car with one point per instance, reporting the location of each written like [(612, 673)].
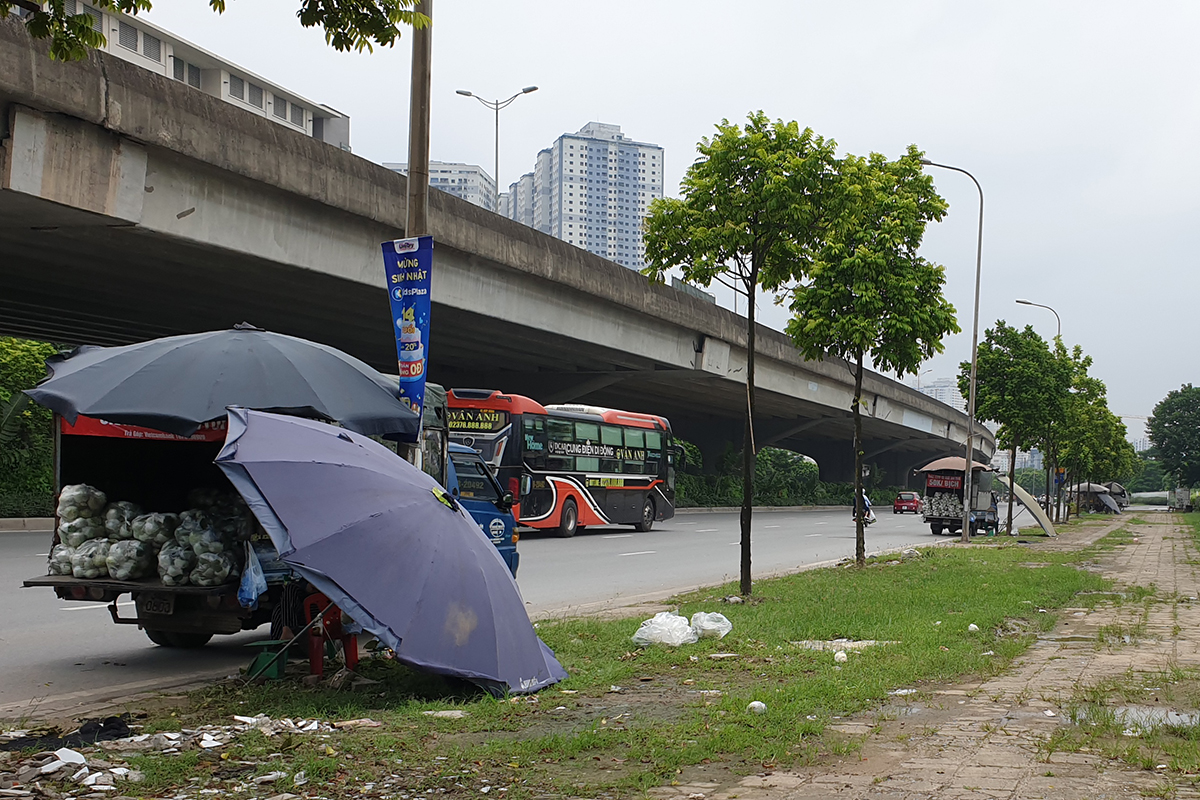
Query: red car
[(907, 501)]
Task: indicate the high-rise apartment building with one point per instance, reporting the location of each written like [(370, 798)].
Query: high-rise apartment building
[(946, 391), (592, 189), (468, 181)]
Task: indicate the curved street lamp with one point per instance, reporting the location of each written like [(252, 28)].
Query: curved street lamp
[(966, 529), (1051, 310), (496, 105)]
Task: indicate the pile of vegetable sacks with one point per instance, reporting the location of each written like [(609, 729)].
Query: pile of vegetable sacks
[(943, 504), (200, 546)]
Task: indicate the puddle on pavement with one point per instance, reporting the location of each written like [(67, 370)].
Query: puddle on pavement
[(1147, 718)]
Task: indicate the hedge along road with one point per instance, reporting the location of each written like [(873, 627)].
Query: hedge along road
[(58, 657)]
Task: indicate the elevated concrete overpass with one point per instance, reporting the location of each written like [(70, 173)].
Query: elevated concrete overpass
[(132, 206)]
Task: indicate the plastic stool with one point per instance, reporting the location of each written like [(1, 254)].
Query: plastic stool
[(331, 623)]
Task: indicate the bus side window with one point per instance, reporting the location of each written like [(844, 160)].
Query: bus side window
[(610, 465), (587, 432), (634, 468), (634, 438), (611, 434)]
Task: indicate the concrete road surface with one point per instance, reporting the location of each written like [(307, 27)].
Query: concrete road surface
[(57, 655)]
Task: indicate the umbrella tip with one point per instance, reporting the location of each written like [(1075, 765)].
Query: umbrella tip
[(246, 326)]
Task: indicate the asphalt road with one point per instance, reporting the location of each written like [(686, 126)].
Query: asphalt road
[(56, 654)]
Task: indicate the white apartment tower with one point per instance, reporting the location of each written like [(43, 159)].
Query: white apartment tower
[(945, 390), (593, 189), (468, 181)]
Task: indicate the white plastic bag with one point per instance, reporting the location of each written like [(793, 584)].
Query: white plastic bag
[(665, 628), (710, 625)]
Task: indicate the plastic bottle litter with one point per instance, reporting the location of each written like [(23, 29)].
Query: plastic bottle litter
[(90, 559)]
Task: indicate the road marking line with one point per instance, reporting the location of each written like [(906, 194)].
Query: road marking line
[(639, 553), (617, 536), (706, 530), (780, 526), (733, 544), (811, 535), (92, 606)]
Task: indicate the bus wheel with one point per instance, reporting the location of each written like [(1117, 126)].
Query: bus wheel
[(569, 521), (647, 517)]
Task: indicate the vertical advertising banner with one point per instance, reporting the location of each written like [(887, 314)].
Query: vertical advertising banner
[(407, 263)]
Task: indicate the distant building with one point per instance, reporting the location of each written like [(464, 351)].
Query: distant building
[(592, 189), (468, 181), (139, 42), (945, 390)]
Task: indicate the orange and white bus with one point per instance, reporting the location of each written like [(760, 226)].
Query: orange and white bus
[(571, 466)]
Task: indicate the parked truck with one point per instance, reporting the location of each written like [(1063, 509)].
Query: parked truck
[(942, 506), (157, 471)]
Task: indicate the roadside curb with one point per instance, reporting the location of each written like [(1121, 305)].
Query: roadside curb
[(736, 509), (24, 524)]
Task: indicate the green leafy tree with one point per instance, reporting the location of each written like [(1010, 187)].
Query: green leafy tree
[(26, 432), (1018, 384), (1152, 477), (1175, 432), (747, 219), (867, 294), (348, 24)]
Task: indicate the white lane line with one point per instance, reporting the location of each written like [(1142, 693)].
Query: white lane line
[(706, 530), (685, 523), (780, 526), (812, 535), (91, 606), (624, 535), (822, 523), (639, 553)]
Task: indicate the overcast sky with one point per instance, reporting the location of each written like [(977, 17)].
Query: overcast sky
[(1080, 120)]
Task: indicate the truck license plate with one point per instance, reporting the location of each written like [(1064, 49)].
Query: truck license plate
[(158, 604)]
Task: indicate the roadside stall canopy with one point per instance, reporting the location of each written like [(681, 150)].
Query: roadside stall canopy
[(1027, 500), (952, 463), (178, 383)]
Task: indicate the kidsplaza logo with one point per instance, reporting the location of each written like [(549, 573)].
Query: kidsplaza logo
[(405, 245)]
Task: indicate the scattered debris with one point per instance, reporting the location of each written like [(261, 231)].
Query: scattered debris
[(456, 713), (972, 627), (838, 644), (358, 723), (902, 692), (841, 657), (757, 707), (720, 656), (733, 599)]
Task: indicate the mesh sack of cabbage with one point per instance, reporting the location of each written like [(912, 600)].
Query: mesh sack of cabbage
[(90, 559), (228, 512), (175, 564), (60, 560), (155, 529), (214, 569), (80, 500), (118, 519), (80, 530), (129, 560)]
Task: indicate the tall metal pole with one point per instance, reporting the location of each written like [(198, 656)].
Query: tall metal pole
[(496, 105), (966, 524), (497, 176), (1057, 318), (417, 223)]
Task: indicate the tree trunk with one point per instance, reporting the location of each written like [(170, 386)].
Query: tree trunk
[(860, 542), (748, 454), (1012, 471)]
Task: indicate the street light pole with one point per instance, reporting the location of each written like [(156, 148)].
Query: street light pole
[(496, 105), (966, 529), (1051, 310)]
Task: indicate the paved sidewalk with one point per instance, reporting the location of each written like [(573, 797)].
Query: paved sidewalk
[(981, 740)]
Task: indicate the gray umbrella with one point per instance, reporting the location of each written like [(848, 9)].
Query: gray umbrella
[(176, 383), (390, 547)]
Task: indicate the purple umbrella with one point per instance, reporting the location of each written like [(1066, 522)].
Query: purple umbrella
[(390, 547)]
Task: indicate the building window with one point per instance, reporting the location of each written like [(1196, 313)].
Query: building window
[(256, 96), (193, 76), (280, 108), (97, 18), (151, 47), (237, 87), (178, 67), (127, 36), (297, 115)]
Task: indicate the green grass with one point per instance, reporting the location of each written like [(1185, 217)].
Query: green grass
[(590, 740)]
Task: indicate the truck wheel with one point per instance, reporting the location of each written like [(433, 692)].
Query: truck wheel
[(569, 521), (189, 641), (936, 527), (160, 638), (647, 521)]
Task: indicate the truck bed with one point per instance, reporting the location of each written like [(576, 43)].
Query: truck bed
[(107, 586)]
